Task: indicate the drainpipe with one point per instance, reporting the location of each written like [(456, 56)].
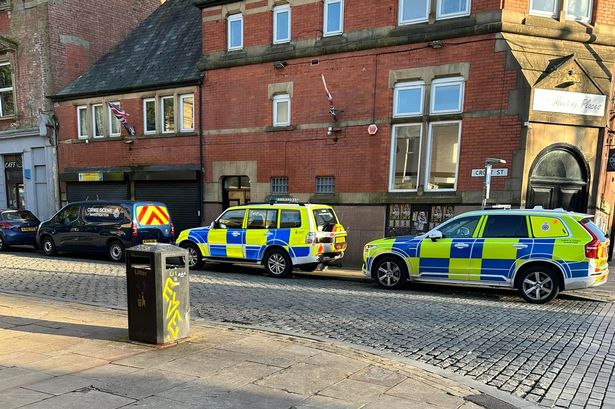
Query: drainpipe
[(201, 149)]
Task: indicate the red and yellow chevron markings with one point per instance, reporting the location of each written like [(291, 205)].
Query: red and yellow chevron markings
[(152, 215)]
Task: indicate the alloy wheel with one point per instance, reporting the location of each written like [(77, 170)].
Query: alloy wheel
[(192, 257), (538, 286), (389, 274), (276, 264)]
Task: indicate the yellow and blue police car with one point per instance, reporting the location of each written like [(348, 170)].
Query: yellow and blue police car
[(538, 252), (281, 236)]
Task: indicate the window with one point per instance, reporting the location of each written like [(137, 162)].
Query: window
[(405, 154), (82, 122), (547, 227), (325, 219), (505, 227), (186, 112), (447, 95), (325, 184), (460, 228), (233, 219), (281, 110), (452, 8), (333, 18), (579, 10), (115, 127), (408, 99), (443, 155), (7, 98), (281, 24), (167, 107), (97, 121), (69, 215), (544, 7), (290, 219), (262, 219), (149, 116), (279, 186), (235, 32), (413, 11)]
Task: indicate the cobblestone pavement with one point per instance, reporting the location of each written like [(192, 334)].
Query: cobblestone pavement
[(561, 354)]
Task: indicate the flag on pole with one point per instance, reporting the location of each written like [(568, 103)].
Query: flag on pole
[(121, 115), (332, 109)]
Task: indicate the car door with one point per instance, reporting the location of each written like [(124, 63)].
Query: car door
[(100, 223), (260, 229), (448, 258), (226, 239), (67, 228), (503, 239)]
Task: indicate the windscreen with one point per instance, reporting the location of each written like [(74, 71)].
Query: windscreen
[(152, 215), (20, 217), (325, 219)]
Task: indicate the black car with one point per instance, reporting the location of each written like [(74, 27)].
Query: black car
[(105, 226), (17, 227)]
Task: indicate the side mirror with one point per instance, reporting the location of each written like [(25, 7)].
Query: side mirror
[(213, 225), (435, 235)]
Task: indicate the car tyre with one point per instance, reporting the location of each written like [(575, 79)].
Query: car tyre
[(116, 251), (308, 268), (538, 285), (278, 263), (48, 246), (195, 260), (390, 273)]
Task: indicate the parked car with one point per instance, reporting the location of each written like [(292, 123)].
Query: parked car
[(279, 236), (538, 252), (105, 226), (17, 227)]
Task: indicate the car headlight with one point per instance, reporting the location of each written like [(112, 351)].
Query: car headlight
[(368, 248)]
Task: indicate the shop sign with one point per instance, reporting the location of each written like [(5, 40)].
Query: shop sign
[(610, 166), (476, 173), (569, 102), (90, 176)]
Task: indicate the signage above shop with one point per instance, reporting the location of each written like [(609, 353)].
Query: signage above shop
[(90, 176), (568, 102), (476, 173)]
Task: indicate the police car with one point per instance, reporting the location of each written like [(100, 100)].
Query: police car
[(538, 252), (281, 236)]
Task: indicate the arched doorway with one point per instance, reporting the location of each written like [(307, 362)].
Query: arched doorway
[(559, 178)]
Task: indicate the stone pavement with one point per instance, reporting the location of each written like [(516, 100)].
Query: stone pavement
[(64, 355)]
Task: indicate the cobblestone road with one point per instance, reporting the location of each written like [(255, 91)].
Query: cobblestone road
[(561, 354)]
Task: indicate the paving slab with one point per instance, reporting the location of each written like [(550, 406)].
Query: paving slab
[(18, 397)]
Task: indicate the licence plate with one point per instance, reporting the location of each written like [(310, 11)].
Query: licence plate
[(149, 241), (28, 229), (340, 240)]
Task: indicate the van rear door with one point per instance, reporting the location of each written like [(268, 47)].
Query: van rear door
[(153, 223)]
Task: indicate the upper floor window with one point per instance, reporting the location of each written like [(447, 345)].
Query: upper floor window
[(333, 17), (149, 116), (115, 127), (235, 32), (7, 98), (580, 10), (281, 110), (167, 108), (82, 122), (186, 112), (325, 184), (452, 8), (417, 11), (281, 24), (279, 186), (447, 95), (408, 99), (544, 7), (97, 121)]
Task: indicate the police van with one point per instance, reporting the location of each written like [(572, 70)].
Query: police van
[(281, 236)]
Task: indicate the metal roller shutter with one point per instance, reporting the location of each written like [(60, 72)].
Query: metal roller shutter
[(181, 198), (96, 191)]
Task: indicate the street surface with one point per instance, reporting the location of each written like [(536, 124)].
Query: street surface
[(561, 354)]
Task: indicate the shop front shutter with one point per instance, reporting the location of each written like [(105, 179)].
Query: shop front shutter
[(181, 198), (97, 191)]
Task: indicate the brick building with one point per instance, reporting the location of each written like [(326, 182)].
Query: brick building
[(44, 45)]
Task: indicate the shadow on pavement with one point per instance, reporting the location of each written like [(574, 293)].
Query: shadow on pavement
[(39, 326)]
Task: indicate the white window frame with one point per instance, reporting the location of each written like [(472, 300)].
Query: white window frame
[(79, 135), (402, 86), (284, 8), (391, 162), (94, 135), (230, 19), (276, 100), (440, 16), (162, 99), (582, 19), (400, 14), (325, 32), (12, 89), (447, 81), (111, 118), (145, 131), (428, 156), (553, 13), (181, 113)]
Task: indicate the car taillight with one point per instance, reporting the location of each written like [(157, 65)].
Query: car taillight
[(172, 230), (135, 232), (5, 225), (591, 248)]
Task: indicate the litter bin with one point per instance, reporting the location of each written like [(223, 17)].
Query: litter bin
[(158, 293)]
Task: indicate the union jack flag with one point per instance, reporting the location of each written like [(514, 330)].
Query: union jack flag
[(332, 109), (121, 115)]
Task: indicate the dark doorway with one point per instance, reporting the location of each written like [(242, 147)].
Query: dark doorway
[(235, 191), (559, 179), (13, 173)]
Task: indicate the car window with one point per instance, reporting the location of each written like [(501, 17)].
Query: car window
[(69, 215), (20, 217), (105, 214), (290, 219), (460, 228), (506, 226), (233, 219), (325, 219), (262, 219), (547, 227)]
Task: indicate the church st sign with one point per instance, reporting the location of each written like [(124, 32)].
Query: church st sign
[(569, 102)]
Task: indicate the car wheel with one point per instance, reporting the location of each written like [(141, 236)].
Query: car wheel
[(116, 251), (278, 263), (308, 268), (3, 245), (538, 285), (390, 273), (195, 260), (48, 246)]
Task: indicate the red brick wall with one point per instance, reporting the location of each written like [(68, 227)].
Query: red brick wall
[(5, 22)]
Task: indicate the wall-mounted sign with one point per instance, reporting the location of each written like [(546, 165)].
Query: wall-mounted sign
[(569, 102), (476, 173), (90, 176), (610, 165), (12, 162)]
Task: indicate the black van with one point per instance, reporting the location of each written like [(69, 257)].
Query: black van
[(105, 226)]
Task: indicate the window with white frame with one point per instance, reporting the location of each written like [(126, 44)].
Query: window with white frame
[(333, 17), (544, 7), (279, 185), (186, 113), (281, 24), (235, 32), (149, 116), (82, 122), (452, 8), (405, 157), (325, 184), (115, 127), (580, 10), (98, 121), (442, 155), (447, 95), (408, 99), (281, 110), (167, 111), (417, 11), (7, 95)]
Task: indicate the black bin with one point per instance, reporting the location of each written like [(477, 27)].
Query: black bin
[(158, 293)]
